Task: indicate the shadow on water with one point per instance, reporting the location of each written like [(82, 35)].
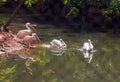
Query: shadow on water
[(69, 65)]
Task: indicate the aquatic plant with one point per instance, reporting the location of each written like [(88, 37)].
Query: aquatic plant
[(6, 72)]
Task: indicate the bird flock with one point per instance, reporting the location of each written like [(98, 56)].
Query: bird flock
[(27, 36)]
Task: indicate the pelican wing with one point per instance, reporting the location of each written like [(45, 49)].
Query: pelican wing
[(56, 43), (22, 33), (86, 46)]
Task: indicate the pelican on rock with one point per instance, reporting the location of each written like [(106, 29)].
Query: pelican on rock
[(55, 43), (22, 33), (28, 40)]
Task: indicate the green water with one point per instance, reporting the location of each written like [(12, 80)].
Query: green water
[(67, 66)]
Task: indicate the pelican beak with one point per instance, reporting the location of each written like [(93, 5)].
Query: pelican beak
[(33, 26), (38, 38)]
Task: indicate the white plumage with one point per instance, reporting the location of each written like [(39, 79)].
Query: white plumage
[(22, 33), (87, 45), (55, 43), (88, 50), (30, 39)]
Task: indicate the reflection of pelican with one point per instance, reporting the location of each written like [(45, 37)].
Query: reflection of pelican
[(57, 52), (88, 50), (30, 39), (55, 43), (22, 33), (29, 61), (27, 54), (88, 56)]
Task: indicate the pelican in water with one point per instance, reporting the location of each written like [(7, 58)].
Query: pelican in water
[(22, 33), (55, 43), (28, 40), (88, 50)]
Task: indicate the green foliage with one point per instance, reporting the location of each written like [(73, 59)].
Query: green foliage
[(115, 3), (30, 71), (43, 58), (2, 22), (95, 2), (47, 73), (112, 10), (74, 12), (73, 3), (2, 2), (5, 72), (29, 3), (106, 13), (113, 6)]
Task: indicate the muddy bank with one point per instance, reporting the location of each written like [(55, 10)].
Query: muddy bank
[(9, 43)]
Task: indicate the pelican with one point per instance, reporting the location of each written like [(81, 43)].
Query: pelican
[(28, 40), (22, 33), (88, 50), (88, 45), (55, 43)]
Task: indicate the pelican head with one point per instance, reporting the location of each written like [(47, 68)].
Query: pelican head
[(61, 39), (63, 43), (30, 26), (89, 40)]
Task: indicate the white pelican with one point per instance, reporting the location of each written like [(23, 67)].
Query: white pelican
[(22, 33), (28, 40), (55, 43), (88, 50), (87, 45)]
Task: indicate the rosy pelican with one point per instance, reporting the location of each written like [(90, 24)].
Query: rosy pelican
[(28, 40), (55, 43), (22, 33)]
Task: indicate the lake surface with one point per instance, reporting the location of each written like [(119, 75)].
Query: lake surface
[(69, 65)]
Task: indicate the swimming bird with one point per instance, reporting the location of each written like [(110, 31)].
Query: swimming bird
[(28, 40), (55, 43), (22, 33), (88, 46), (88, 50)]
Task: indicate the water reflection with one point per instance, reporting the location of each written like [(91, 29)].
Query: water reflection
[(88, 55), (56, 46), (29, 61), (57, 52), (67, 65), (29, 55)]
